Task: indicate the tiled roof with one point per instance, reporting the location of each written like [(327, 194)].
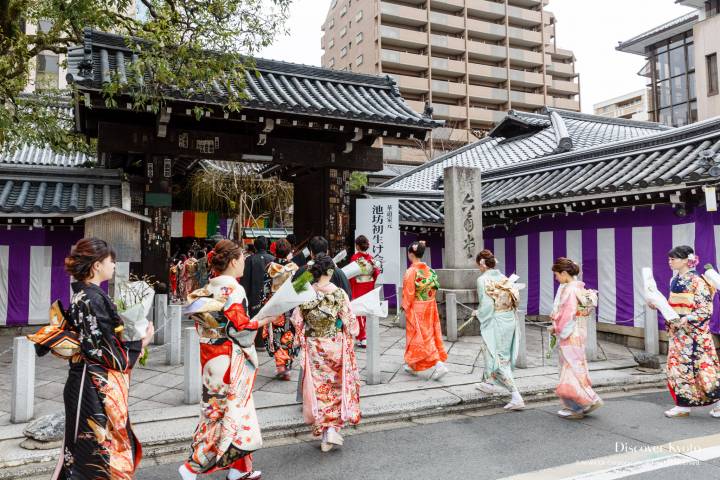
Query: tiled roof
[(274, 86), (421, 211), (35, 180), (585, 131)]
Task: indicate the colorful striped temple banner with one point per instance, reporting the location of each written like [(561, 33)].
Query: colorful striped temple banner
[(197, 224)]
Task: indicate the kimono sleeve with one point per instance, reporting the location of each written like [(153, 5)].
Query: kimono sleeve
[(408, 295), (486, 306), (102, 336), (702, 300), (564, 318), (298, 322), (236, 311), (348, 317)]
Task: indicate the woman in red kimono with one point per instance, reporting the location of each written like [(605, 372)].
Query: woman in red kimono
[(228, 431), (424, 347), (364, 282)]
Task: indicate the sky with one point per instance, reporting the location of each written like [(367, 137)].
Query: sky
[(590, 28)]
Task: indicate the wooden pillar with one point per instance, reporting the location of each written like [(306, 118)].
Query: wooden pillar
[(157, 204)]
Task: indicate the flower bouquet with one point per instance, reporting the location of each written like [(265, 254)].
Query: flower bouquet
[(360, 267), (134, 301)]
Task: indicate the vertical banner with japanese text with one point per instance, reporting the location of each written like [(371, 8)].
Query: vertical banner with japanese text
[(379, 220)]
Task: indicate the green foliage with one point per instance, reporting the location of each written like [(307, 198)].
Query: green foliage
[(300, 283), (358, 180), (188, 46)]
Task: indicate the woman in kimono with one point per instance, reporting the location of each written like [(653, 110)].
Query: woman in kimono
[(182, 291), (424, 348), (99, 442), (279, 335), (331, 382), (363, 283), (228, 431), (496, 313), (570, 314), (190, 273), (692, 363)]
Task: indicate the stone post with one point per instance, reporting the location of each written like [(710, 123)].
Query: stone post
[(451, 316), (192, 384), (372, 362), (399, 300), (652, 335), (174, 335), (521, 361), (591, 343), (463, 217), (160, 312), (23, 381)]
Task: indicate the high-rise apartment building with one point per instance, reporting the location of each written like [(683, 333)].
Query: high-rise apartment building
[(472, 60), (631, 106)]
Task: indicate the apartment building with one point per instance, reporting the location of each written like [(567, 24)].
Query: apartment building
[(471, 60), (682, 65), (632, 106)]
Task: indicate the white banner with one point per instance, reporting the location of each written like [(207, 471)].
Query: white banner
[(379, 220)]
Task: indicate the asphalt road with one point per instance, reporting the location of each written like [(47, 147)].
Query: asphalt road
[(619, 440)]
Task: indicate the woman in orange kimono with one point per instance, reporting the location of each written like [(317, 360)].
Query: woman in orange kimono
[(424, 347), (363, 283), (570, 314), (228, 431)]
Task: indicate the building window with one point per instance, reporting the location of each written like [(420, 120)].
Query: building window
[(331, 63), (672, 77), (343, 10), (359, 60), (343, 32), (47, 71), (712, 74), (358, 38), (358, 16), (332, 23), (343, 52), (331, 43)]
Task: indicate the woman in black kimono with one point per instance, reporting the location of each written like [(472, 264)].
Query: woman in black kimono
[(99, 442)]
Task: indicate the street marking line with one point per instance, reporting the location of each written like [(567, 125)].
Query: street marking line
[(642, 458)]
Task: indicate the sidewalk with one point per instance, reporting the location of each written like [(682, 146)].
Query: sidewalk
[(160, 417)]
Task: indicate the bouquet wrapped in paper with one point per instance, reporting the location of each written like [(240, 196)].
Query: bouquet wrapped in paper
[(287, 297), (360, 267), (654, 297), (370, 304), (134, 301), (712, 276)]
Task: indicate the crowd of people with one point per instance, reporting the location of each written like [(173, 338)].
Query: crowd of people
[(321, 336)]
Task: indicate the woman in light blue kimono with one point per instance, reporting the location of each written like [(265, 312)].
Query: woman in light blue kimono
[(496, 312)]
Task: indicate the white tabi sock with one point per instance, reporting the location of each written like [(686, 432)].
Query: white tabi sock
[(516, 398), (234, 474), (186, 474)]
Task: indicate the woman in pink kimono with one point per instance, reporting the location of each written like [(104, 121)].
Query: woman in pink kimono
[(571, 312), (331, 384)]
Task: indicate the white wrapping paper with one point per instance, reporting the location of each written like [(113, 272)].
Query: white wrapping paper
[(713, 277), (654, 297), (370, 304), (285, 299), (137, 297)]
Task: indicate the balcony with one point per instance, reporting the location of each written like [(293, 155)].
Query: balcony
[(565, 103), (560, 53), (447, 5), (441, 88), (404, 61), (557, 69), (455, 135), (447, 45), (449, 112), (485, 9), (402, 15), (485, 116), (417, 106), (486, 30), (524, 38), (527, 100), (404, 155), (496, 96), (486, 51), (402, 37), (523, 16), (441, 22), (410, 84), (525, 58), (526, 79), (487, 73), (443, 66), (563, 87), (528, 3)]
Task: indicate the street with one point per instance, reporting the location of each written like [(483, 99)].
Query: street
[(620, 440)]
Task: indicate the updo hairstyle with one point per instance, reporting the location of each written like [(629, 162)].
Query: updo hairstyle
[(323, 265), (83, 256), (563, 264), (225, 251), (417, 248), (487, 258), (362, 243)]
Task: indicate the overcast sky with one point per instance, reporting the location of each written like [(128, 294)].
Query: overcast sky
[(590, 28)]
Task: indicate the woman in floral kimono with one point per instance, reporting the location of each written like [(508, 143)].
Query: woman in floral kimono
[(424, 348), (228, 431), (570, 314), (363, 283), (692, 363), (330, 383), (99, 441), (496, 313), (279, 335)]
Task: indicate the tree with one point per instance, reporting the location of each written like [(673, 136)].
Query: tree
[(190, 47)]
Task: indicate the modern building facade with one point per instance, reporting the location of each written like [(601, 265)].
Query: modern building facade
[(631, 106), (471, 60), (681, 65)]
